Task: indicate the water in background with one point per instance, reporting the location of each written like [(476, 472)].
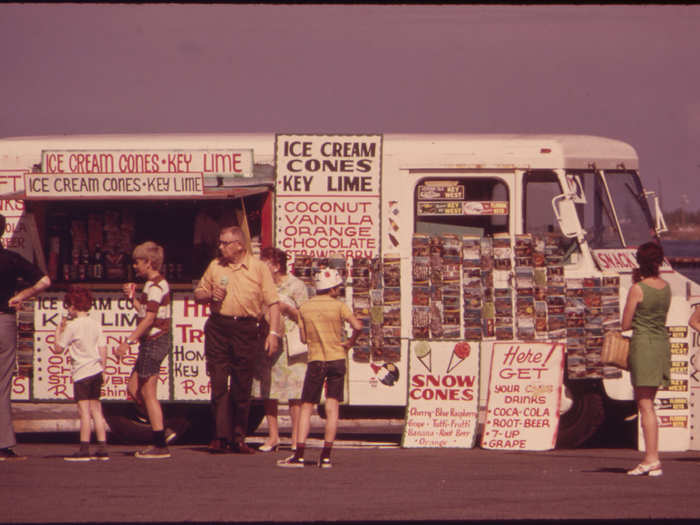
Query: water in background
[(684, 249)]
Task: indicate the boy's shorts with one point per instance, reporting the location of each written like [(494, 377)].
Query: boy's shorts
[(333, 372), (88, 387), (151, 355)]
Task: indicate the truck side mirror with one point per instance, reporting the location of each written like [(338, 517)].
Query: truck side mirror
[(659, 222), (565, 212)]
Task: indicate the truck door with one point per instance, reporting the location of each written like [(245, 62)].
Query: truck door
[(582, 406)]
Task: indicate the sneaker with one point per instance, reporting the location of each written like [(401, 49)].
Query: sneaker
[(170, 435), (102, 455), (325, 463), (7, 454), (80, 455), (153, 453), (291, 462)]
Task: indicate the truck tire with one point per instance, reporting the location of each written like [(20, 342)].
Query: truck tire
[(255, 416), (125, 427), (585, 416), (189, 422)]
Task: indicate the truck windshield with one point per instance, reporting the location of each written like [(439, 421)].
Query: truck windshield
[(613, 198)]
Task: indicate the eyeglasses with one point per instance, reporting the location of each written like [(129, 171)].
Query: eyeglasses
[(226, 243)]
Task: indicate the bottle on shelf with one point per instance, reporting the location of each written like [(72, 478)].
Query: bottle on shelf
[(97, 264)]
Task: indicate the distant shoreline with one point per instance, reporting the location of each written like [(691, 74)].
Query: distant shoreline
[(688, 233)]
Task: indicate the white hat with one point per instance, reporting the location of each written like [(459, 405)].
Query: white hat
[(326, 279)]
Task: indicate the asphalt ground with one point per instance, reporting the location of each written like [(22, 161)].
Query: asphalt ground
[(372, 480), (369, 482)]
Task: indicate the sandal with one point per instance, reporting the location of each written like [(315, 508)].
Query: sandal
[(652, 470)]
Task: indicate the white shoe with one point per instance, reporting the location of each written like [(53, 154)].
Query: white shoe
[(651, 470)]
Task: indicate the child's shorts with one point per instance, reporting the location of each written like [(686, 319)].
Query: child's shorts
[(333, 372), (151, 355), (88, 387)]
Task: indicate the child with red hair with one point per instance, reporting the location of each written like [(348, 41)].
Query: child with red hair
[(83, 338)]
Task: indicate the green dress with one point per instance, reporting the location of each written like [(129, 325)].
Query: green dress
[(650, 351)]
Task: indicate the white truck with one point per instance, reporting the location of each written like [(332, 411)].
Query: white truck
[(399, 214)]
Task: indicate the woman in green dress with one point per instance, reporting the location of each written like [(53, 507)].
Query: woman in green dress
[(645, 312)]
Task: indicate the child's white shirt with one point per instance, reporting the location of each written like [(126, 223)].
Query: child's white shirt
[(83, 336)]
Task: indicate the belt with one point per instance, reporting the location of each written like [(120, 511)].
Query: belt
[(239, 318)]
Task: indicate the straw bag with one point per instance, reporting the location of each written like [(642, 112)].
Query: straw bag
[(616, 350)]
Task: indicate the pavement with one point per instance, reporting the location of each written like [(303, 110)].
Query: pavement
[(373, 479), (368, 484)]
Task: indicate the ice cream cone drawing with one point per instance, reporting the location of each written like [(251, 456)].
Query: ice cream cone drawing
[(424, 354), (460, 352)]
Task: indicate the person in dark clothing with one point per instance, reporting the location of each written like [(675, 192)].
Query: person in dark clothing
[(19, 280)]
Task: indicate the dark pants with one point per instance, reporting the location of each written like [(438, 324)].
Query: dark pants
[(231, 348)]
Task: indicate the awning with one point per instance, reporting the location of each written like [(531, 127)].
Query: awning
[(236, 189)]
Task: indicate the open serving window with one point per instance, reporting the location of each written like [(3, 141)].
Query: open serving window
[(89, 223)]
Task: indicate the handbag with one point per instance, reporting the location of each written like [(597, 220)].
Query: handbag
[(295, 347), (616, 350)]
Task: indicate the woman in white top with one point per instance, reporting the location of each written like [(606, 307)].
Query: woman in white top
[(286, 375)]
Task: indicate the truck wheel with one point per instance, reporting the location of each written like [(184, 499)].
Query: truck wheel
[(584, 417), (189, 422), (255, 416), (126, 427)]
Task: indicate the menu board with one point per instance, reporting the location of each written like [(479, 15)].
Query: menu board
[(327, 198), (190, 379), (52, 377), (442, 395), (523, 396)]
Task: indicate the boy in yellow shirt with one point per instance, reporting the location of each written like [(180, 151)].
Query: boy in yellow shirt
[(321, 326)]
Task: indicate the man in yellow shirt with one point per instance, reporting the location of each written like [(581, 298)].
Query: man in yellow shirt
[(236, 286), (321, 326)]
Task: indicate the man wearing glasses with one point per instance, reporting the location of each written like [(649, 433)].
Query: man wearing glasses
[(237, 287)]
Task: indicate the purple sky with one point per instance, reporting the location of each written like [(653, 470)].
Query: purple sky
[(627, 72)]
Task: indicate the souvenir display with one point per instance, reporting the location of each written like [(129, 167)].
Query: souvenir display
[(361, 307), (390, 349)]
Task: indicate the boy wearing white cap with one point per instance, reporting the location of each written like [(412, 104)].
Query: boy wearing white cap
[(321, 327)]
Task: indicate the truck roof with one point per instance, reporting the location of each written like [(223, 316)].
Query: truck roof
[(412, 151)]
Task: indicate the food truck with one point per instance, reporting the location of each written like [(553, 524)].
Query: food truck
[(448, 243)]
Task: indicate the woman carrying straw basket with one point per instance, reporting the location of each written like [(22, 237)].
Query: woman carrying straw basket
[(645, 312)]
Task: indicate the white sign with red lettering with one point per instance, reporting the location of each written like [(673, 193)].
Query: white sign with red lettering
[(328, 194), (443, 395), (215, 162), (134, 185), (524, 396), (620, 261), (52, 377), (20, 388), (16, 236), (190, 379)]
